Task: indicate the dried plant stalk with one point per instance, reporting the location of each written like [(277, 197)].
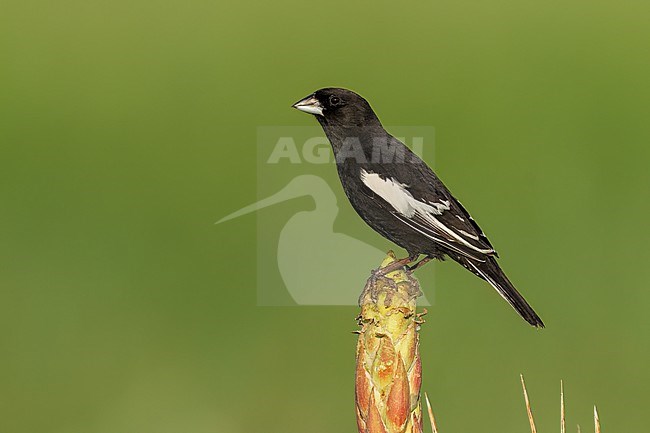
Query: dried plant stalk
[(529, 411), (389, 371), (562, 410), (432, 419)]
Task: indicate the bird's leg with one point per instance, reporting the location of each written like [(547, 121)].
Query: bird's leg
[(397, 264), (422, 262)]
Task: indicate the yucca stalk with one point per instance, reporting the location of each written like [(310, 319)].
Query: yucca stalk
[(389, 371)]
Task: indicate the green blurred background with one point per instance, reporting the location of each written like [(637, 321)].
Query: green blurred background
[(128, 128)]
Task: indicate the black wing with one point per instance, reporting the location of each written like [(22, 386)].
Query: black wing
[(420, 200)]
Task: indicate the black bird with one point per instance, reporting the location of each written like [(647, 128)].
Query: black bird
[(400, 197)]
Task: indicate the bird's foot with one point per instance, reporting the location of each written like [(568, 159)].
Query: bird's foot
[(376, 274), (398, 264), (422, 262)]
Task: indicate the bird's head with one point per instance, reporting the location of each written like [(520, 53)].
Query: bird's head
[(336, 106)]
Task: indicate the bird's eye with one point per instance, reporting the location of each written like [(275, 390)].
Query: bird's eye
[(335, 100)]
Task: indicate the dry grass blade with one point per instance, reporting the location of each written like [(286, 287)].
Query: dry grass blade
[(562, 410), (434, 427), (579, 428), (528, 410), (596, 420)]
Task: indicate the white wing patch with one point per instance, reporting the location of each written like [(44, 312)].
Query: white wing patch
[(469, 235), (399, 198), (396, 194)]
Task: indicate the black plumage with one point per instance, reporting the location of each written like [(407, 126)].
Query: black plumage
[(400, 197)]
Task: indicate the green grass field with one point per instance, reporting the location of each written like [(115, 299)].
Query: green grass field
[(128, 128)]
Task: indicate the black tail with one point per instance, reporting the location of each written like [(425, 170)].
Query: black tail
[(492, 273)]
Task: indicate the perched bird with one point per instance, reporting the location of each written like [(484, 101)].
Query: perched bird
[(400, 197)]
